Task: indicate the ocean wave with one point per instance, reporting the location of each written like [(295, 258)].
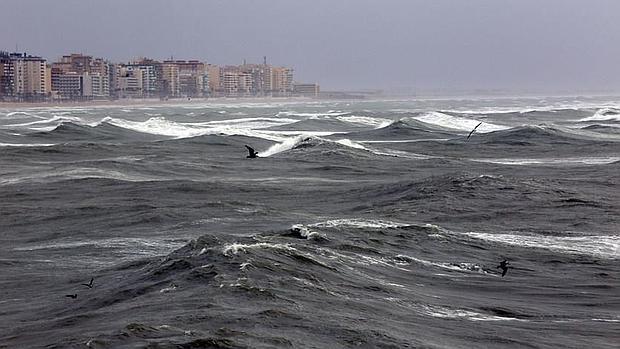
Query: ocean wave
[(235, 248), (366, 120), (304, 232), (455, 313), (460, 267), (358, 223), (158, 126), (302, 142), (141, 246), (311, 115), (21, 115), (103, 132), (603, 114), (76, 173), (287, 144), (52, 123), (316, 125), (554, 107), (27, 144), (575, 161), (248, 123), (457, 123), (165, 127), (541, 134), (607, 246)]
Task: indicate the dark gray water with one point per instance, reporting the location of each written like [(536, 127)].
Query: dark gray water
[(362, 224)]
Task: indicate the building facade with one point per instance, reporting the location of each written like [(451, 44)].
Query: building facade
[(23, 77), (306, 90), (282, 81), (78, 76), (170, 79)]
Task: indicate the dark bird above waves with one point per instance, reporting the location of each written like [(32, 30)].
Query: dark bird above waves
[(504, 266), (252, 153), (90, 284), (472, 131), (74, 296)]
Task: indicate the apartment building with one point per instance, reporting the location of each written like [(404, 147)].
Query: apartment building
[(282, 81), (23, 77), (78, 76), (306, 90), (171, 84)]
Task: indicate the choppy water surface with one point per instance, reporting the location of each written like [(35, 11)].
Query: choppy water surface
[(372, 224)]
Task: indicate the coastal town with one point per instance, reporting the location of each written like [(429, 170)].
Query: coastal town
[(79, 77)]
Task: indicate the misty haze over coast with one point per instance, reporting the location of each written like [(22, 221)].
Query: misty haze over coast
[(553, 46)]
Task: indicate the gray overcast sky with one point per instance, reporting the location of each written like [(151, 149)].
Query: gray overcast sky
[(391, 44)]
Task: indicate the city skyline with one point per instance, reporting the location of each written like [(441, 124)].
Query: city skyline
[(77, 77)]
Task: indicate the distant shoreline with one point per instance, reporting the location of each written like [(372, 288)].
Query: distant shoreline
[(153, 102), (150, 102)]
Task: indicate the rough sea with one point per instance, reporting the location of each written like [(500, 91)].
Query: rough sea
[(362, 224)]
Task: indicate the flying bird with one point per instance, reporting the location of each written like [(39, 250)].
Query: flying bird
[(252, 153), (474, 130), (74, 296), (504, 266), (90, 284)]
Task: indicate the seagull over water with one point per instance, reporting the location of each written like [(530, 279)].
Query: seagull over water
[(472, 131), (252, 153), (504, 266), (90, 284)]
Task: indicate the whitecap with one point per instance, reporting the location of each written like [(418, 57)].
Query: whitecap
[(607, 246), (365, 120), (603, 114), (306, 233), (359, 223), (455, 313), (233, 249), (26, 144), (287, 144), (458, 123), (592, 160)]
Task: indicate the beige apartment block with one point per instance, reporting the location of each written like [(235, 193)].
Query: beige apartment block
[(30, 76), (170, 79), (215, 83), (282, 80)]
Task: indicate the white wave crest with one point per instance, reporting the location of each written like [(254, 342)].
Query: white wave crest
[(306, 233), (76, 173), (349, 143), (360, 224), (53, 122), (603, 160), (457, 123), (249, 123), (453, 313), (366, 120), (158, 126), (461, 267), (287, 144), (141, 246), (161, 126), (232, 249), (607, 246), (26, 144), (21, 115), (604, 114), (312, 115)]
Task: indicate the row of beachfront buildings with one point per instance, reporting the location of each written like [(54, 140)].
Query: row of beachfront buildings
[(25, 77)]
